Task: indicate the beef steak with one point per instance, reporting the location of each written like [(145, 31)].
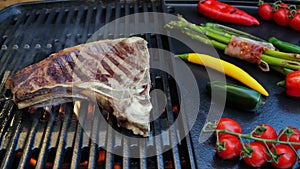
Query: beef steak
[(114, 73)]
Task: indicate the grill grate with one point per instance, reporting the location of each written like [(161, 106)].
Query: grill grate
[(51, 137)]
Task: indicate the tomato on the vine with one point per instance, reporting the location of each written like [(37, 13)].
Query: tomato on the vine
[(254, 154), (281, 16), (290, 134), (265, 11), (295, 21), (228, 147), (265, 131), (229, 125), (284, 156)]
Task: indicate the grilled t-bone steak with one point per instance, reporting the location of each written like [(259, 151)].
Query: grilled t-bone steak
[(114, 73)]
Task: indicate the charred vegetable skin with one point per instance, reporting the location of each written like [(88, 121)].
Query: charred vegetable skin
[(237, 96), (224, 12)]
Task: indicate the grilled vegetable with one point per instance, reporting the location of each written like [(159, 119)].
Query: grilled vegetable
[(292, 84), (225, 67), (282, 70), (237, 96), (265, 11), (284, 46), (226, 13), (295, 21), (220, 38)]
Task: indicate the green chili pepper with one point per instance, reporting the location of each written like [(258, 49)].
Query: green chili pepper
[(237, 96), (285, 46)]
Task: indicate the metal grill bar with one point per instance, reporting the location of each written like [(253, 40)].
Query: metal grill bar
[(63, 137), (42, 158), (16, 127), (58, 140)]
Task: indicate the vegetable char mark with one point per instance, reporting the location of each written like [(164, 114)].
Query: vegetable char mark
[(232, 11)]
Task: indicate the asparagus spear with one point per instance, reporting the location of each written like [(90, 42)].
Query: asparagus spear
[(281, 70), (224, 36), (232, 31)]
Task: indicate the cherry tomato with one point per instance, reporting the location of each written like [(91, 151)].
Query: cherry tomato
[(254, 154), (291, 134), (228, 124), (265, 12), (284, 155), (281, 16), (295, 21), (229, 147), (265, 131)]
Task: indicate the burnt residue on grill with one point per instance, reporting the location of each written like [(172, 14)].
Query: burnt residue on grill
[(52, 137)]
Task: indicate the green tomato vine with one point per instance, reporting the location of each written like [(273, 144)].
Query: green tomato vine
[(276, 5), (211, 127)]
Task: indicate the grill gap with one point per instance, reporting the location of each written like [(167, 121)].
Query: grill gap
[(63, 139), (64, 19), (84, 16), (53, 20), (26, 18)]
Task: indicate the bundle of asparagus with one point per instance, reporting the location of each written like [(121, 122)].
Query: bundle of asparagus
[(220, 36)]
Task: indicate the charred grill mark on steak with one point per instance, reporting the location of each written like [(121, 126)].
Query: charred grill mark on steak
[(110, 71), (127, 48), (54, 72), (118, 51), (79, 68), (119, 65), (70, 60), (71, 69), (63, 66)]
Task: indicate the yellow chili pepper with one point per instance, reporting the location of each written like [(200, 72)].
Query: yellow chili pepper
[(225, 67)]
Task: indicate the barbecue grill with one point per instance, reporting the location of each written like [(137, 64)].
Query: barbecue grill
[(53, 137)]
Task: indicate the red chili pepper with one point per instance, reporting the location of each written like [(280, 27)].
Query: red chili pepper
[(292, 83), (224, 12)]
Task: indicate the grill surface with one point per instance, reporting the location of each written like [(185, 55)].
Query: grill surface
[(52, 136)]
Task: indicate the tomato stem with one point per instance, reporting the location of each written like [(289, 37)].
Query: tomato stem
[(265, 141), (260, 2), (211, 127), (248, 136)]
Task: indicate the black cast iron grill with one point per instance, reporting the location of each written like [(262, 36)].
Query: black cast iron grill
[(51, 137)]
